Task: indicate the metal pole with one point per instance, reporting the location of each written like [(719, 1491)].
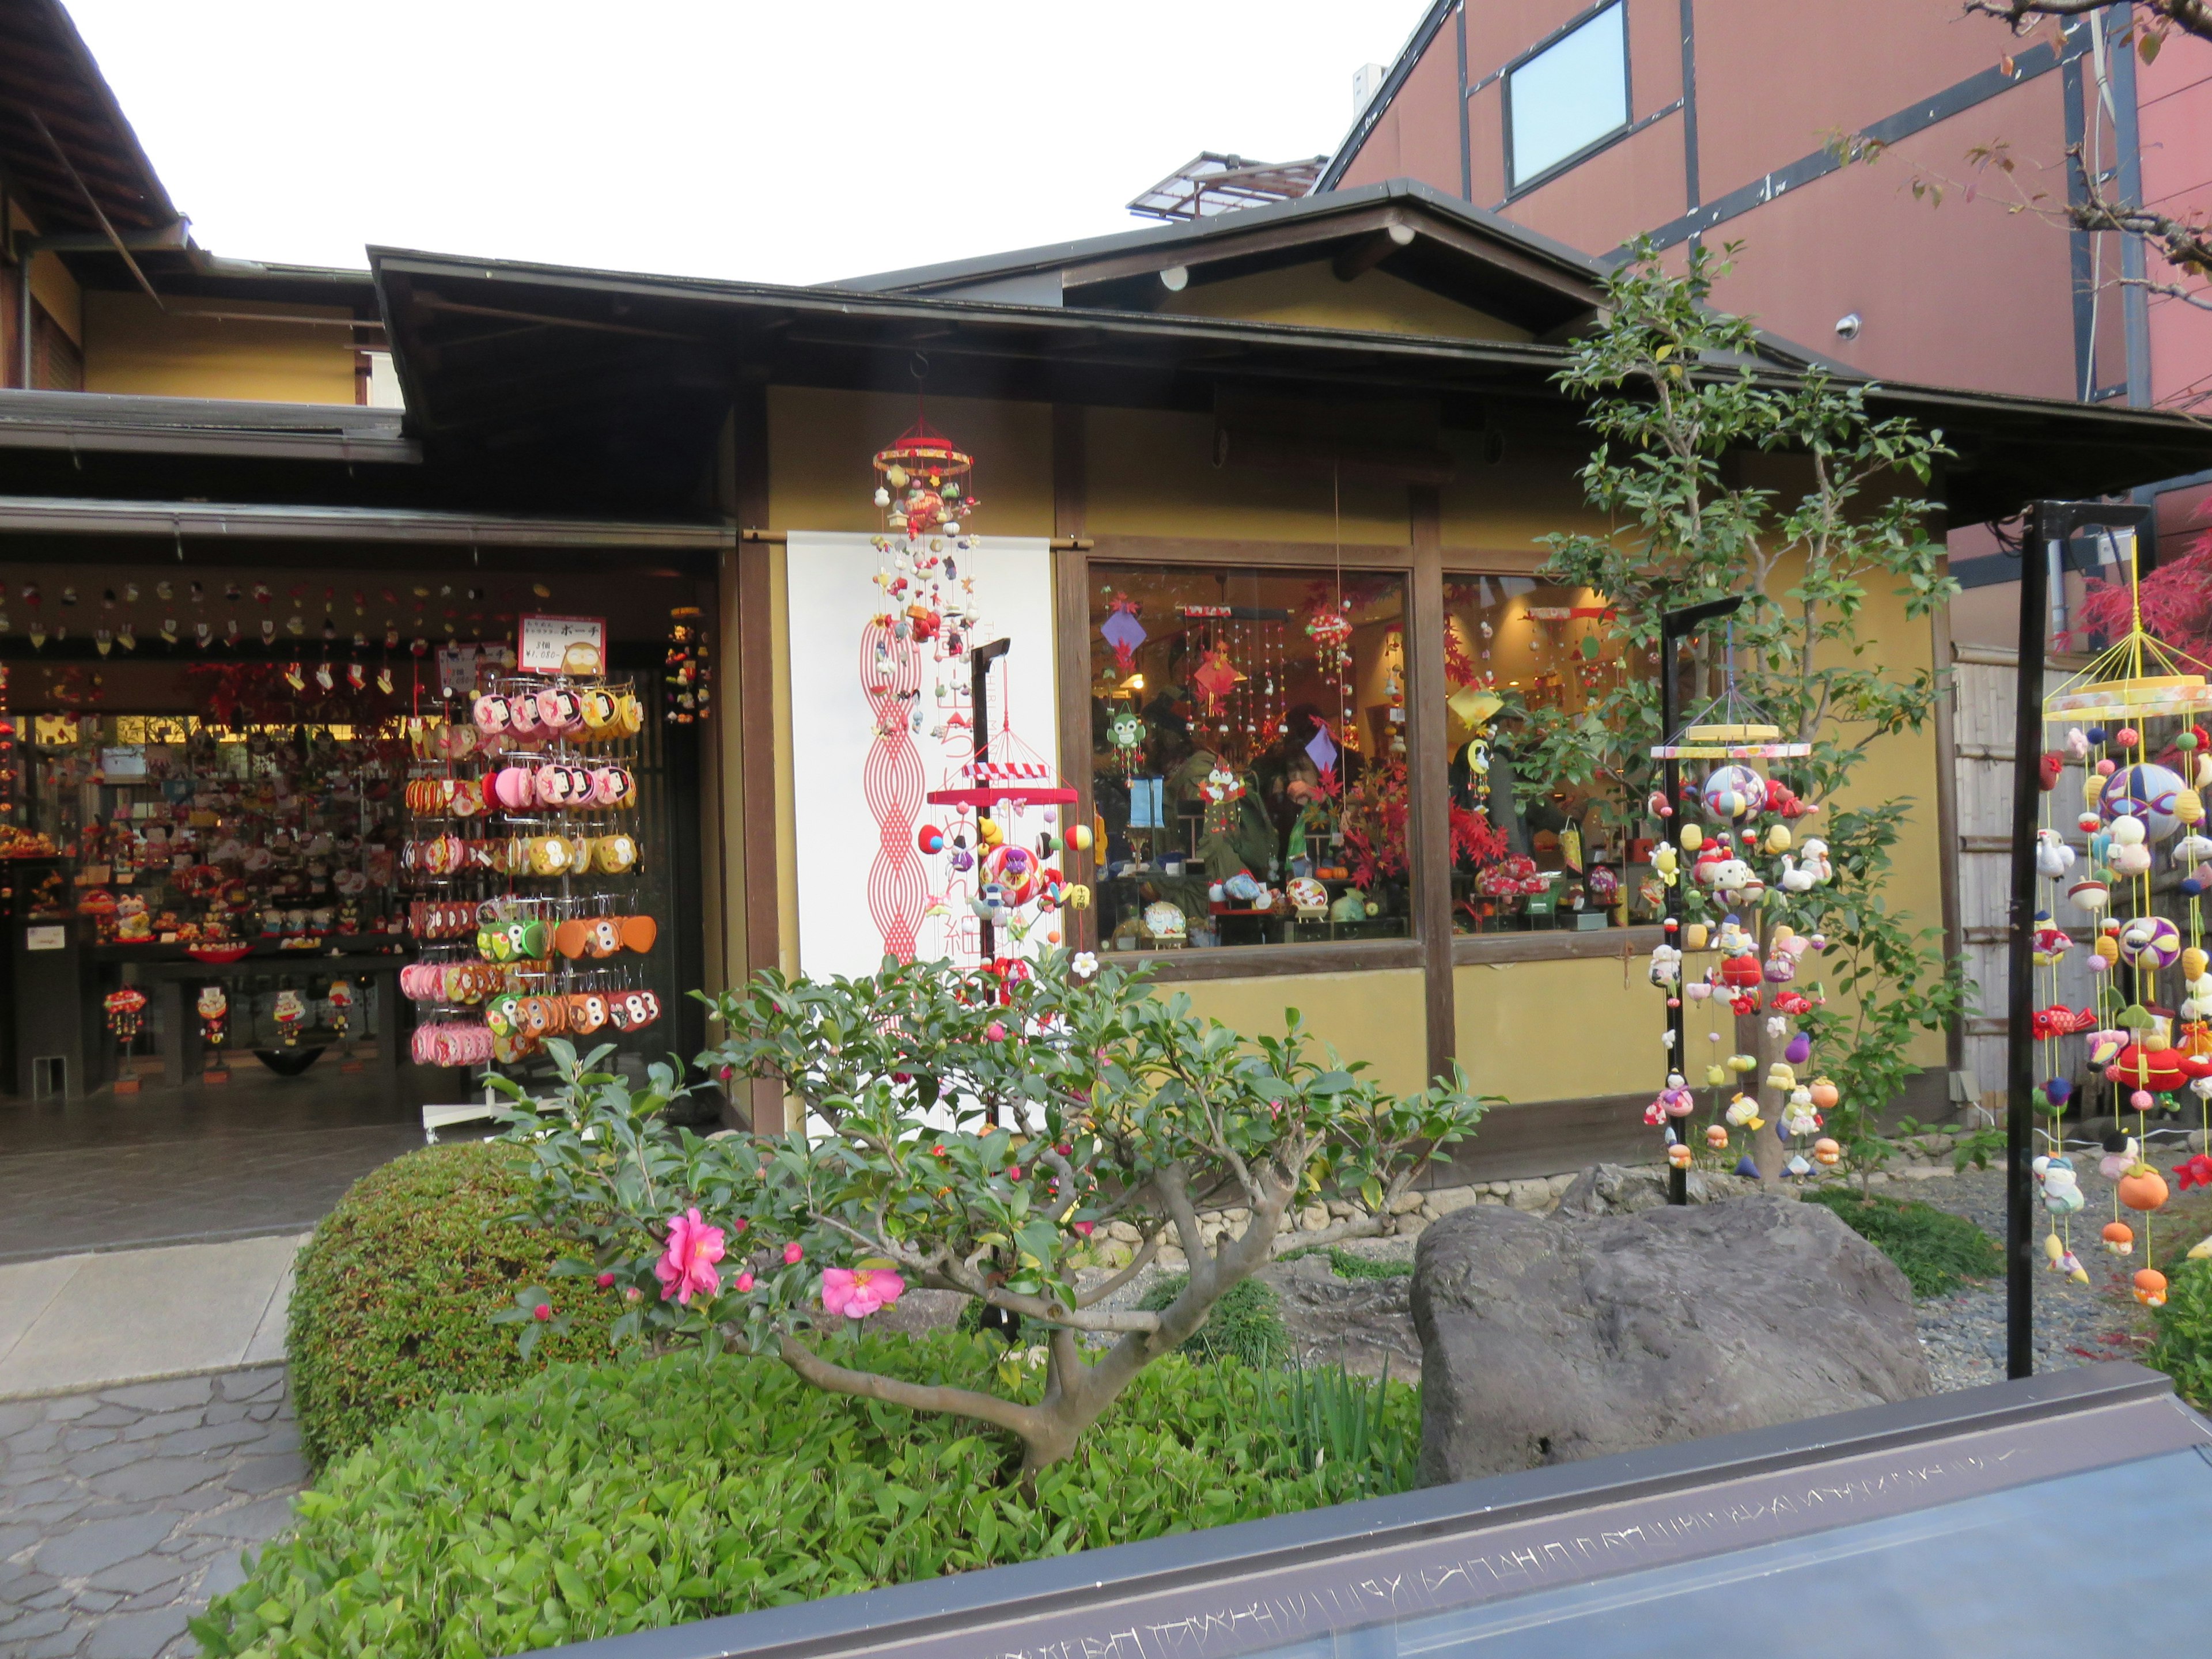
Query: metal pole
[(2042, 535), (1673, 627), (979, 713)]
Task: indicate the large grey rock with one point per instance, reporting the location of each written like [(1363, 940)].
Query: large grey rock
[(1548, 1340), (1624, 1189), (1362, 1324)]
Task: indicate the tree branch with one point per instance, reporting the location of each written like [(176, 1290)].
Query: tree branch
[(1007, 1415), (1138, 1263)]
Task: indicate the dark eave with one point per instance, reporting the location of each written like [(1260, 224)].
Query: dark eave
[(549, 367), (1442, 243), (84, 422), (48, 72)]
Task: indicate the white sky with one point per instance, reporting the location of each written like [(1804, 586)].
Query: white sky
[(790, 143)]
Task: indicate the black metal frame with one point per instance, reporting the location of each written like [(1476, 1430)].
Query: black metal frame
[(2134, 1412)]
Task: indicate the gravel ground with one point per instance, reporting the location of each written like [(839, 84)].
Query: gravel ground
[(2074, 1324)]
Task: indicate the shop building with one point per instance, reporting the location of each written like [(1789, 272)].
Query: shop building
[(1256, 502)]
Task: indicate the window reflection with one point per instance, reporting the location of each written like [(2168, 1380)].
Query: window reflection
[(1248, 755)]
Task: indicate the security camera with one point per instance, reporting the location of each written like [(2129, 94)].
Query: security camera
[(1847, 326)]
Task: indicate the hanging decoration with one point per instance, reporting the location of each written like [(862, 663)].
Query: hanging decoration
[(2128, 866), (214, 1010), (689, 670), (289, 1013), (1123, 631), (1732, 937)]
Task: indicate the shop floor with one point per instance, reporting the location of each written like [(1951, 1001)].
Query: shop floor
[(262, 1154)]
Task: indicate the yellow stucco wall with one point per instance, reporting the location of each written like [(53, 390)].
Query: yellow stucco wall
[(132, 347), (821, 443), (1559, 1031), (57, 290), (1375, 1017), (1310, 295)]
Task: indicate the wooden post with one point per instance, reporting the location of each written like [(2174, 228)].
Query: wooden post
[(1428, 832), (754, 723)]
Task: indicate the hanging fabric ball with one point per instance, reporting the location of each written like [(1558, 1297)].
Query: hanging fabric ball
[(2095, 734), (2128, 738), (2150, 792), (1733, 791), (1693, 837), (2189, 806)]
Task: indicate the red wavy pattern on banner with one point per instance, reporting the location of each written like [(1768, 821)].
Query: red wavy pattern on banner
[(891, 784)]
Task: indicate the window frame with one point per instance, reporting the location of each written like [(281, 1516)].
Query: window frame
[(1516, 187)]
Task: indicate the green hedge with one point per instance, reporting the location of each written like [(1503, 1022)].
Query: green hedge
[(391, 1306), (594, 1500)]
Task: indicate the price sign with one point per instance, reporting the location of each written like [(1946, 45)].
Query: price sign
[(563, 645)]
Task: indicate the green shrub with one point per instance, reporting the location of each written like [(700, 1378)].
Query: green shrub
[(593, 1500), (2182, 1347), (1246, 1323), (394, 1295), (1937, 1251)]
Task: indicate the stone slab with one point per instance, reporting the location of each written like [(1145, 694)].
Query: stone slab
[(127, 1315)]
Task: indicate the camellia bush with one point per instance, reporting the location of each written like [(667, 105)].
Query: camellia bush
[(972, 1133)]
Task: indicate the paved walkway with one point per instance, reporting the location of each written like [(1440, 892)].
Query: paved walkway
[(93, 1321), (262, 1154), (123, 1510)]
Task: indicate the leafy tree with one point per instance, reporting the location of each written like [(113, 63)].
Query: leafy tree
[(977, 1134), (1684, 417)]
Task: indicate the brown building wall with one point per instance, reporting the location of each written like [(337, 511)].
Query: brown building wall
[(1966, 292)]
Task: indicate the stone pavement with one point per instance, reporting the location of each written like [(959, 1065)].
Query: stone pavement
[(123, 1510), (93, 1321)]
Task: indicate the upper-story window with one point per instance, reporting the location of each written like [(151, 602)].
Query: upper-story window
[(1568, 94)]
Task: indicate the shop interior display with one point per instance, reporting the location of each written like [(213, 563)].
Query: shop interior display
[(1564, 855), (519, 865), (2122, 1028), (1738, 948), (1249, 763)]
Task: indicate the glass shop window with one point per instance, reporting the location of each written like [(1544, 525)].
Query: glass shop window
[(1565, 97), (1249, 756), (1530, 852)]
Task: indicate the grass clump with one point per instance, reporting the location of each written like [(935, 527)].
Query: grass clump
[(591, 1501), (392, 1303), (1350, 1264), (1935, 1250), (1245, 1324)]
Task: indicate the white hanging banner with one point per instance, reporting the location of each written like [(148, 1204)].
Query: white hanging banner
[(877, 721)]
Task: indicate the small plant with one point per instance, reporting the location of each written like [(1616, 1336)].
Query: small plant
[(2183, 1347), (972, 1133), (1935, 1250), (1335, 1421), (1245, 1324)]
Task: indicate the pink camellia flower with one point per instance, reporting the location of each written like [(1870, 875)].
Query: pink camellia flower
[(996, 1031), (687, 1268), (1086, 1228), (858, 1293), (793, 1254), (607, 1281), (1013, 1172), (544, 1310), (744, 1282)]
